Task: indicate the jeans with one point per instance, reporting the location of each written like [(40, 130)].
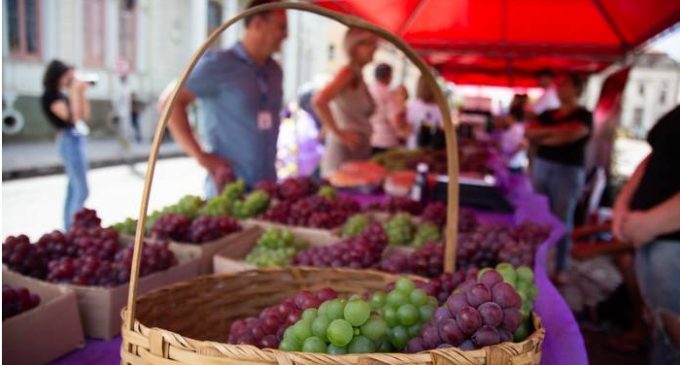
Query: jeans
[(657, 266), (71, 145), (562, 184)]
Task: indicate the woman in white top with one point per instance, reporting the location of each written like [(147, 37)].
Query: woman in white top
[(513, 144), (345, 105), (423, 109)]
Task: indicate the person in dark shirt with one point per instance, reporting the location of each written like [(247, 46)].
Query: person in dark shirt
[(559, 137), (65, 113), (647, 214)]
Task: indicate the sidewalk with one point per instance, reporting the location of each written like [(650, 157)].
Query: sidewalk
[(29, 159)]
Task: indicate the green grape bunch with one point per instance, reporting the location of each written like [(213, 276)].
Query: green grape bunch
[(337, 327), (128, 226), (254, 204), (400, 229), (426, 232), (405, 310), (355, 225), (522, 279), (276, 247)]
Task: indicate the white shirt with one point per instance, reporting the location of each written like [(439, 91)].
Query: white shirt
[(383, 135), (547, 101), (418, 111), (510, 140)]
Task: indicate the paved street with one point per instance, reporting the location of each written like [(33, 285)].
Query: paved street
[(28, 159), (35, 205)]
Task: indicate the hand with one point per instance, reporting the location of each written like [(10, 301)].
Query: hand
[(213, 163), (79, 85), (349, 138), (637, 228)]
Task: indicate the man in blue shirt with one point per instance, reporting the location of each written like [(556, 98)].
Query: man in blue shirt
[(239, 92)]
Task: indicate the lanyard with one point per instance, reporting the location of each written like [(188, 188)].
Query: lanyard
[(263, 88)]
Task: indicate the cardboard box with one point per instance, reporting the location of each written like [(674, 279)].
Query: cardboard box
[(46, 332), (206, 251), (100, 307), (230, 259), (311, 232)]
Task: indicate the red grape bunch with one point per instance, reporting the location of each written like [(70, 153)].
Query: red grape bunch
[(295, 188), (56, 245), (17, 300), (427, 261), (21, 256), (435, 212), (96, 241), (207, 228), (84, 270), (362, 251), (482, 313), (268, 187), (156, 256), (396, 204), (171, 227), (86, 218), (266, 330), (313, 211)]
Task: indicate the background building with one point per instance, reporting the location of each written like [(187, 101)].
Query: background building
[(156, 38), (653, 89)]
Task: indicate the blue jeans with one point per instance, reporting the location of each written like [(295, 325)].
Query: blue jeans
[(562, 184), (71, 145), (657, 266)]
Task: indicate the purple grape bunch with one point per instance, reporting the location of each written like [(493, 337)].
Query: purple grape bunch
[(362, 251), (483, 312), (266, 330)]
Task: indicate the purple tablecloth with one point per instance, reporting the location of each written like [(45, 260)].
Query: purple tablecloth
[(563, 341)]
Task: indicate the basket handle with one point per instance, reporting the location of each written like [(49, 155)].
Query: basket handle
[(350, 21)]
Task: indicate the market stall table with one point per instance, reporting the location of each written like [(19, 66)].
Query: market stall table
[(563, 342)]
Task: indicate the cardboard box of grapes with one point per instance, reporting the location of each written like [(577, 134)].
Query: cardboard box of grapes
[(231, 258), (299, 229), (206, 251), (29, 337), (100, 306)]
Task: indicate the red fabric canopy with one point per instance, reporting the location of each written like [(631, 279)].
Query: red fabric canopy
[(503, 42)]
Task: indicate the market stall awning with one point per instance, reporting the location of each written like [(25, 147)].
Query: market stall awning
[(506, 41)]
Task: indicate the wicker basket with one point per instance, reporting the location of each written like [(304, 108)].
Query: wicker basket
[(156, 324), (203, 309)]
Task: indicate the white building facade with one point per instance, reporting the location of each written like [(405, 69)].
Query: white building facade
[(653, 89)]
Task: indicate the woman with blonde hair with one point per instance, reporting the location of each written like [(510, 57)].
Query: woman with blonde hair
[(345, 106)]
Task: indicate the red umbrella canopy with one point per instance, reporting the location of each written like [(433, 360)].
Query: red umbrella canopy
[(503, 42)]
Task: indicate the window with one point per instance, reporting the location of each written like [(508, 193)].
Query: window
[(663, 95), (94, 33), (127, 31), (331, 52), (214, 15), (23, 28), (638, 114), (641, 88)]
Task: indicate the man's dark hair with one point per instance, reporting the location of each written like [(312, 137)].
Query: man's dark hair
[(545, 72), (55, 70), (383, 72), (254, 3), (577, 81)]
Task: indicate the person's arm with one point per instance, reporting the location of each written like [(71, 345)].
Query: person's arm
[(321, 103), (641, 227), (181, 131), (622, 203), (80, 106), (60, 109), (566, 134)]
